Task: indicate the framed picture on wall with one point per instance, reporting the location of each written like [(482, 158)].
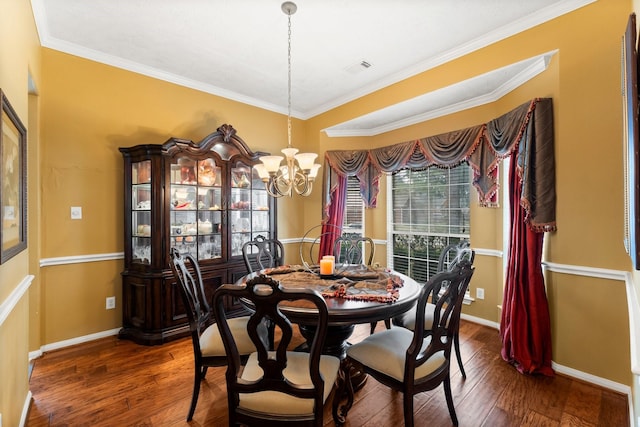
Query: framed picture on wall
[(13, 182)]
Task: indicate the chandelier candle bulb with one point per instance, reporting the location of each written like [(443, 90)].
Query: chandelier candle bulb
[(271, 163), (306, 160)]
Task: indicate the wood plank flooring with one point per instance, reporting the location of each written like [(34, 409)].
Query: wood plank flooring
[(109, 382)]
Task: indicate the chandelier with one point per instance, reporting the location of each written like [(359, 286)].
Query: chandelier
[(299, 170)]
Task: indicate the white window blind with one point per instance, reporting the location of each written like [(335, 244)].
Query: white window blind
[(429, 209), (354, 208)]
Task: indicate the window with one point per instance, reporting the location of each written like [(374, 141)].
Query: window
[(427, 210)]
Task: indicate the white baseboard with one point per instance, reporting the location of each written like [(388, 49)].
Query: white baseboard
[(480, 321), (72, 341), (602, 382), (25, 409)]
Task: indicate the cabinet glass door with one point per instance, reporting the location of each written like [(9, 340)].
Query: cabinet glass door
[(260, 205), (141, 211), (249, 207), (195, 215), (240, 207)]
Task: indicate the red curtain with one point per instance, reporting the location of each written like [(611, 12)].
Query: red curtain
[(332, 226), (525, 326)]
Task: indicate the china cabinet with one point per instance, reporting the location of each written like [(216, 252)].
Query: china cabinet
[(203, 198)]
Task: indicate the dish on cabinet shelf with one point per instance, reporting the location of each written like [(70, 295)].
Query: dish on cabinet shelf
[(241, 205), (182, 205), (205, 227), (206, 172), (144, 230)]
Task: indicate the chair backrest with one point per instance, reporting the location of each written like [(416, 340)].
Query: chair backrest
[(450, 257), (262, 253), (186, 271), (454, 253), (446, 316), (351, 249), (264, 295)]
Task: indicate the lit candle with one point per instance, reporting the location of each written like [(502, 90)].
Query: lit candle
[(326, 267)]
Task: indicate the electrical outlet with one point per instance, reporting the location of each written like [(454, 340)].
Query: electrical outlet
[(480, 293), (111, 303), (76, 212)]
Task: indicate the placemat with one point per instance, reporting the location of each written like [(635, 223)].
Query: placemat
[(362, 284)]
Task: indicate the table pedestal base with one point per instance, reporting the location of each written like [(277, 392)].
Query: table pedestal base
[(335, 344)]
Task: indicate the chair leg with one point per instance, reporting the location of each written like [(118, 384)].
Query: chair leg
[(407, 400), (373, 327), (387, 323), (343, 391), (447, 394), (456, 345), (197, 378)]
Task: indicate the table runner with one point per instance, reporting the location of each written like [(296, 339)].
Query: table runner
[(360, 283)]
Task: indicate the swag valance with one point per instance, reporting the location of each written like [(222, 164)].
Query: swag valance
[(526, 130)]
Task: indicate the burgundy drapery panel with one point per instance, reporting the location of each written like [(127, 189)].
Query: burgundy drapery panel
[(525, 328), (335, 219), (528, 129)]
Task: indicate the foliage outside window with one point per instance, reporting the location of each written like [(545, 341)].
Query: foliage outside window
[(428, 210)]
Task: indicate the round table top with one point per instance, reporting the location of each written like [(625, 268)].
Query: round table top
[(348, 312)]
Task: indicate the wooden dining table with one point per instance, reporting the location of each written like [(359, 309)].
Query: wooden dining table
[(345, 311)]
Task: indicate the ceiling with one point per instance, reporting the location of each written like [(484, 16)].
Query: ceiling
[(237, 49)]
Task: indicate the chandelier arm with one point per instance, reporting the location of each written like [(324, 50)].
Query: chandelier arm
[(283, 185), (301, 183), (272, 189)]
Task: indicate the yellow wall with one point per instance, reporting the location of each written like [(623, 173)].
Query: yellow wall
[(19, 57), (85, 111)]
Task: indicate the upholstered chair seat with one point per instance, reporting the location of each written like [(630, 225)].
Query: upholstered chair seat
[(211, 341), (386, 352), (297, 372)]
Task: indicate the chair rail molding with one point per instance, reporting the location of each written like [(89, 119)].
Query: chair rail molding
[(78, 259), (14, 297)]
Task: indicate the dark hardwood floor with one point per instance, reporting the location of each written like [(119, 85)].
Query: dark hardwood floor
[(110, 382)]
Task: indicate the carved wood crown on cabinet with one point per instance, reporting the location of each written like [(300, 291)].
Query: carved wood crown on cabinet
[(200, 197)]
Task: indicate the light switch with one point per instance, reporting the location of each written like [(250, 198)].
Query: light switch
[(76, 212)]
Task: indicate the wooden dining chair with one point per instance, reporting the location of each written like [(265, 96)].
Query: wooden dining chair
[(450, 257), (261, 253), (415, 361), (208, 349), (354, 249), (281, 387)]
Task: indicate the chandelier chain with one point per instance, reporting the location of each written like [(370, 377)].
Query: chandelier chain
[(289, 84)]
